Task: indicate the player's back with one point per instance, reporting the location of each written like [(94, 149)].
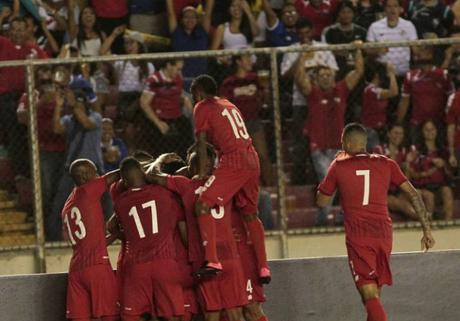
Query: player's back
[(223, 124), (84, 225), (149, 216), (363, 181)]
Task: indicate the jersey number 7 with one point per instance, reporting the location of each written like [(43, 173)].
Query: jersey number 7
[(153, 210), (367, 182)]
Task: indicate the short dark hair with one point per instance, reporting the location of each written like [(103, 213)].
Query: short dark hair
[(172, 167), (374, 67), (354, 128), (128, 164), (162, 63), (206, 84), (345, 4), (303, 23), (210, 151)]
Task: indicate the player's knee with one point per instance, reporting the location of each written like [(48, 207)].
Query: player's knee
[(369, 291), (202, 208), (253, 312), (235, 314)]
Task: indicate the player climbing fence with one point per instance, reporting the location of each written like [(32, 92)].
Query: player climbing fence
[(294, 100)]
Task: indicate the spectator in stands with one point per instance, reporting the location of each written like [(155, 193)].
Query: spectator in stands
[(239, 30), (376, 98), (320, 12), (394, 149), (161, 101), (12, 84), (41, 36), (52, 146), (6, 14), (148, 16), (281, 31), (243, 89), (291, 63), (190, 35), (427, 88), (344, 31), (393, 28), (430, 17), (111, 15), (453, 130), (88, 38), (327, 102), (452, 53), (430, 171), (367, 12), (83, 133), (113, 148)]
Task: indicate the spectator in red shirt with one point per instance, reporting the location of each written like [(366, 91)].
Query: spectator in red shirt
[(430, 171), (166, 127), (376, 98), (327, 102), (244, 90), (12, 81), (394, 149), (453, 129), (427, 88), (320, 12), (52, 146), (110, 15)]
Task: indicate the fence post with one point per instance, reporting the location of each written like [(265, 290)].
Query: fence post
[(281, 182), (35, 171)]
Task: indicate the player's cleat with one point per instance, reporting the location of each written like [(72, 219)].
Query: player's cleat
[(208, 269), (265, 275)]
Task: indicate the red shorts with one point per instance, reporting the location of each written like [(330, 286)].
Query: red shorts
[(188, 283), (254, 290), (153, 287), (92, 293), (224, 291), (226, 183), (369, 261)]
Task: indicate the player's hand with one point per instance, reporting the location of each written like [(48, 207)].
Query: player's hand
[(6, 12), (169, 158), (162, 126), (427, 240), (453, 161), (439, 162), (198, 177), (118, 30), (391, 69), (358, 44)]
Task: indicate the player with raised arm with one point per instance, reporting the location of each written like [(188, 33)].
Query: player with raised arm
[(149, 216), (224, 292), (92, 288), (220, 123), (363, 181)]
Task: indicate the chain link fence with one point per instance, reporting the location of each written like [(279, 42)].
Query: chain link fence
[(295, 101)]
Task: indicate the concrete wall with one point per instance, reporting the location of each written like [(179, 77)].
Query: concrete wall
[(427, 288)]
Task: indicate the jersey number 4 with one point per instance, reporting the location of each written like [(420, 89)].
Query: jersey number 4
[(367, 182), (237, 123), (80, 234), (153, 211)]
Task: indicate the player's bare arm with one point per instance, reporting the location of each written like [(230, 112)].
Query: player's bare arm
[(355, 75), (417, 202), (202, 155), (322, 200), (113, 230), (182, 228)]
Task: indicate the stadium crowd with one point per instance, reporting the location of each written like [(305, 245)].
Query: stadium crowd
[(406, 97)]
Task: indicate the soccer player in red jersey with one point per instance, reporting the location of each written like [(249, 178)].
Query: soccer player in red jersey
[(237, 175), (92, 289), (224, 292), (149, 216), (363, 181)]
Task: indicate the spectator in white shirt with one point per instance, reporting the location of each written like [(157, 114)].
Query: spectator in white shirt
[(393, 28)]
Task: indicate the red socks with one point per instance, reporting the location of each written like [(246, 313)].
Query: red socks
[(375, 311), (257, 234), (208, 236)]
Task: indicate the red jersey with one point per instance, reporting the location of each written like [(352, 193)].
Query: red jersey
[(428, 91), (149, 216), (190, 190), (110, 8), (12, 79), (363, 181), (224, 127), (167, 93), (48, 140), (374, 108), (453, 116), (423, 163), (321, 16), (84, 225), (326, 116), (244, 93), (399, 158)]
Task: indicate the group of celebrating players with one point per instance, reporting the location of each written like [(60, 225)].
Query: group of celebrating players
[(192, 245), (191, 240)]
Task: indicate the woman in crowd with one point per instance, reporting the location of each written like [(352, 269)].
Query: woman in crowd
[(88, 37)]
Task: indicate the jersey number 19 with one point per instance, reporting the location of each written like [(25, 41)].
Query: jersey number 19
[(237, 123)]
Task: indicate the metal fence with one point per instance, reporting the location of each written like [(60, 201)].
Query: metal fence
[(293, 157)]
